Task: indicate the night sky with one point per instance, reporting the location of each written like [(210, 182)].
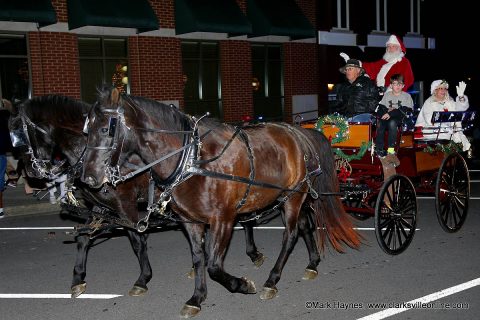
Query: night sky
[(452, 24)]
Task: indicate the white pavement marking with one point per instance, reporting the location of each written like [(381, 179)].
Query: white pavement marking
[(281, 228), (38, 228), (55, 296), (423, 300), (236, 228), (423, 198)]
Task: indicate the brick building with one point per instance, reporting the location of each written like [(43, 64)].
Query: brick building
[(233, 58)]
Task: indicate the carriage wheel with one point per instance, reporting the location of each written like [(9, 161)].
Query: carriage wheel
[(452, 193), (396, 214)]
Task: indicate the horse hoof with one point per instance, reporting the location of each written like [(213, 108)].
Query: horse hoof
[(191, 274), (251, 289), (189, 311), (259, 261), (78, 289), (268, 293), (137, 291), (309, 274)]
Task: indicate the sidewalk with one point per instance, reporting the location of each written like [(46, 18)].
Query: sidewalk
[(17, 203)]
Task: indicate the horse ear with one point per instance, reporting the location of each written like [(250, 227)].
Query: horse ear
[(9, 106), (115, 96)]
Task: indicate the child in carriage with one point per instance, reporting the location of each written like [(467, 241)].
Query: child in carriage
[(391, 111), (441, 101)]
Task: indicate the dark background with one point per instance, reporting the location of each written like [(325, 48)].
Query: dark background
[(453, 25)]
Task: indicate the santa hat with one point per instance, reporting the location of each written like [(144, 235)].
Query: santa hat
[(437, 84), (396, 40)]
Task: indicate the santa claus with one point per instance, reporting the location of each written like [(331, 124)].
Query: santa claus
[(393, 61)]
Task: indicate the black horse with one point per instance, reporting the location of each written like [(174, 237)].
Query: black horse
[(215, 174), (47, 124)]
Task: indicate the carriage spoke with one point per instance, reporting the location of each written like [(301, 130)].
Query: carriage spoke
[(399, 231), (459, 201), (388, 232), (456, 215), (402, 229), (407, 208), (385, 223), (444, 212)]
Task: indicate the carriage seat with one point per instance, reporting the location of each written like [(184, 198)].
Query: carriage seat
[(444, 125)]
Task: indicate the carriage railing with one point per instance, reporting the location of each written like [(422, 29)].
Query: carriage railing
[(449, 122)]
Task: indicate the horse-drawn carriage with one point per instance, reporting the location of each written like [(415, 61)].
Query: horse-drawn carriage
[(214, 174), (386, 188)]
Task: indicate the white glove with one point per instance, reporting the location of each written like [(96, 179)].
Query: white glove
[(461, 88), (344, 56)]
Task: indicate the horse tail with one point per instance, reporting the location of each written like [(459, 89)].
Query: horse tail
[(331, 219)]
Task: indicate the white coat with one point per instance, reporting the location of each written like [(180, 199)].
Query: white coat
[(449, 130)]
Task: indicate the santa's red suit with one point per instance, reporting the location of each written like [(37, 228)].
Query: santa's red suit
[(380, 71)]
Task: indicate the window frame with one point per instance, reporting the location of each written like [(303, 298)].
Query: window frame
[(25, 56), (265, 87), (104, 59), (200, 60)]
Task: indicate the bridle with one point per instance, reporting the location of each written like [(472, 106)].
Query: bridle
[(43, 167), (117, 121)]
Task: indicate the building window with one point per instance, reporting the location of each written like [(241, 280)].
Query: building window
[(201, 76), (268, 93), (343, 15), (102, 61), (14, 68)]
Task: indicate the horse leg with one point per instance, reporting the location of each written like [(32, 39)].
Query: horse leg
[(196, 236), (80, 270), (290, 237), (220, 235), (306, 228), (139, 246), (256, 256)]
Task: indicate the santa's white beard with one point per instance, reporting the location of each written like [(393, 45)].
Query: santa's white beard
[(392, 56)]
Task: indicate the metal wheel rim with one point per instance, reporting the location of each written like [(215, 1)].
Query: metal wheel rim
[(396, 214), (452, 193)]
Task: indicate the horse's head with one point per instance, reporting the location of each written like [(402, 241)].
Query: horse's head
[(105, 127), (33, 141), (42, 126), (121, 125)]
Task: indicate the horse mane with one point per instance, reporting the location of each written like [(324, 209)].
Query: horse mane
[(168, 114), (58, 110)]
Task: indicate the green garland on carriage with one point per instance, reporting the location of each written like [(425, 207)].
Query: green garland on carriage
[(448, 148), (342, 135)]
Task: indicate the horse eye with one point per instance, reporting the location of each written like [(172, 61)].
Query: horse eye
[(104, 130)]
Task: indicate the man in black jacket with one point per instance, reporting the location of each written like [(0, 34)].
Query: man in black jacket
[(356, 95)]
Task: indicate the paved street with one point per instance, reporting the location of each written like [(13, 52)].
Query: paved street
[(37, 257)]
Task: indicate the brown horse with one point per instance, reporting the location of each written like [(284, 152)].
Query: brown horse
[(48, 124), (216, 174)]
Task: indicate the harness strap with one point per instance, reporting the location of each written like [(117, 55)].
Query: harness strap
[(225, 176), (200, 162), (148, 166), (242, 202)]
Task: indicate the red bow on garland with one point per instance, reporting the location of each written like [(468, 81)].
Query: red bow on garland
[(343, 174)]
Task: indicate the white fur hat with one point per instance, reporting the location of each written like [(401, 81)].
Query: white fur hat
[(393, 39), (438, 83)]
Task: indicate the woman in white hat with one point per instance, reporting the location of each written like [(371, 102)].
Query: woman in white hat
[(440, 100)]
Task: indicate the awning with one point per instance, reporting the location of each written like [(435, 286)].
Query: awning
[(136, 14), (40, 11), (279, 18), (221, 16)]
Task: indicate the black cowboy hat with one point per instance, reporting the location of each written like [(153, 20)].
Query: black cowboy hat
[(352, 63)]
